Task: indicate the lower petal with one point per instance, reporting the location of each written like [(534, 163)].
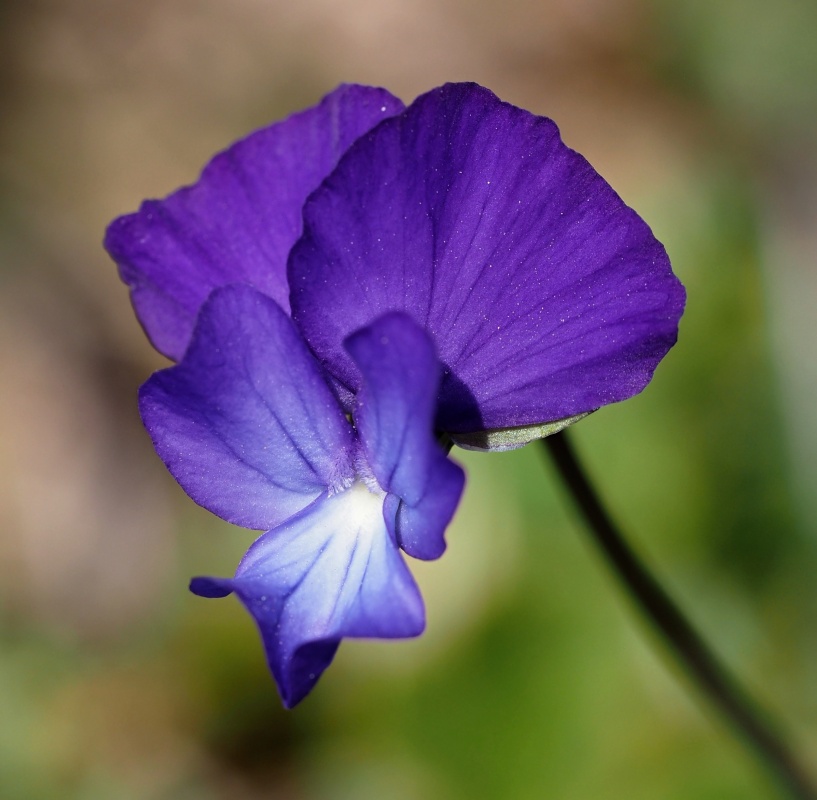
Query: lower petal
[(331, 571)]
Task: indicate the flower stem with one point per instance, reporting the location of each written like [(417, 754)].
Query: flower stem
[(699, 662)]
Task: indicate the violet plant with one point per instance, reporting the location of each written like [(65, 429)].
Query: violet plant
[(351, 292)]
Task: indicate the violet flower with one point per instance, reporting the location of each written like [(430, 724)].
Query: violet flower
[(348, 288)]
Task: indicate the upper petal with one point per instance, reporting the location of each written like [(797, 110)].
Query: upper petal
[(246, 422), (330, 572), (394, 416), (239, 221), (546, 295)]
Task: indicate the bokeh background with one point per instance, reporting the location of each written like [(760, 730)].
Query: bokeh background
[(535, 678)]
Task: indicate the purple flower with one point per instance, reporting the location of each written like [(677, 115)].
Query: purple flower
[(346, 289)]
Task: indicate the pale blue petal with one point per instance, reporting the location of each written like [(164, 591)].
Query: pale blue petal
[(330, 572)]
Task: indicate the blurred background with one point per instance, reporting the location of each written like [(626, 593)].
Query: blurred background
[(535, 678)]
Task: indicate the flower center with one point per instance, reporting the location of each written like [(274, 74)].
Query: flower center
[(356, 473)]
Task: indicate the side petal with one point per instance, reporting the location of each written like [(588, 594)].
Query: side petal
[(396, 405), (332, 571), (246, 422), (239, 221), (546, 296)]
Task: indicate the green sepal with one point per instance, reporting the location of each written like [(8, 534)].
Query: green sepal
[(500, 439)]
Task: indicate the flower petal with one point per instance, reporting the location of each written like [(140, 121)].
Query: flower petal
[(546, 295), (330, 572), (239, 221), (246, 422), (396, 404)]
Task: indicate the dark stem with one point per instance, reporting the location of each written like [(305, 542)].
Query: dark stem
[(684, 642)]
